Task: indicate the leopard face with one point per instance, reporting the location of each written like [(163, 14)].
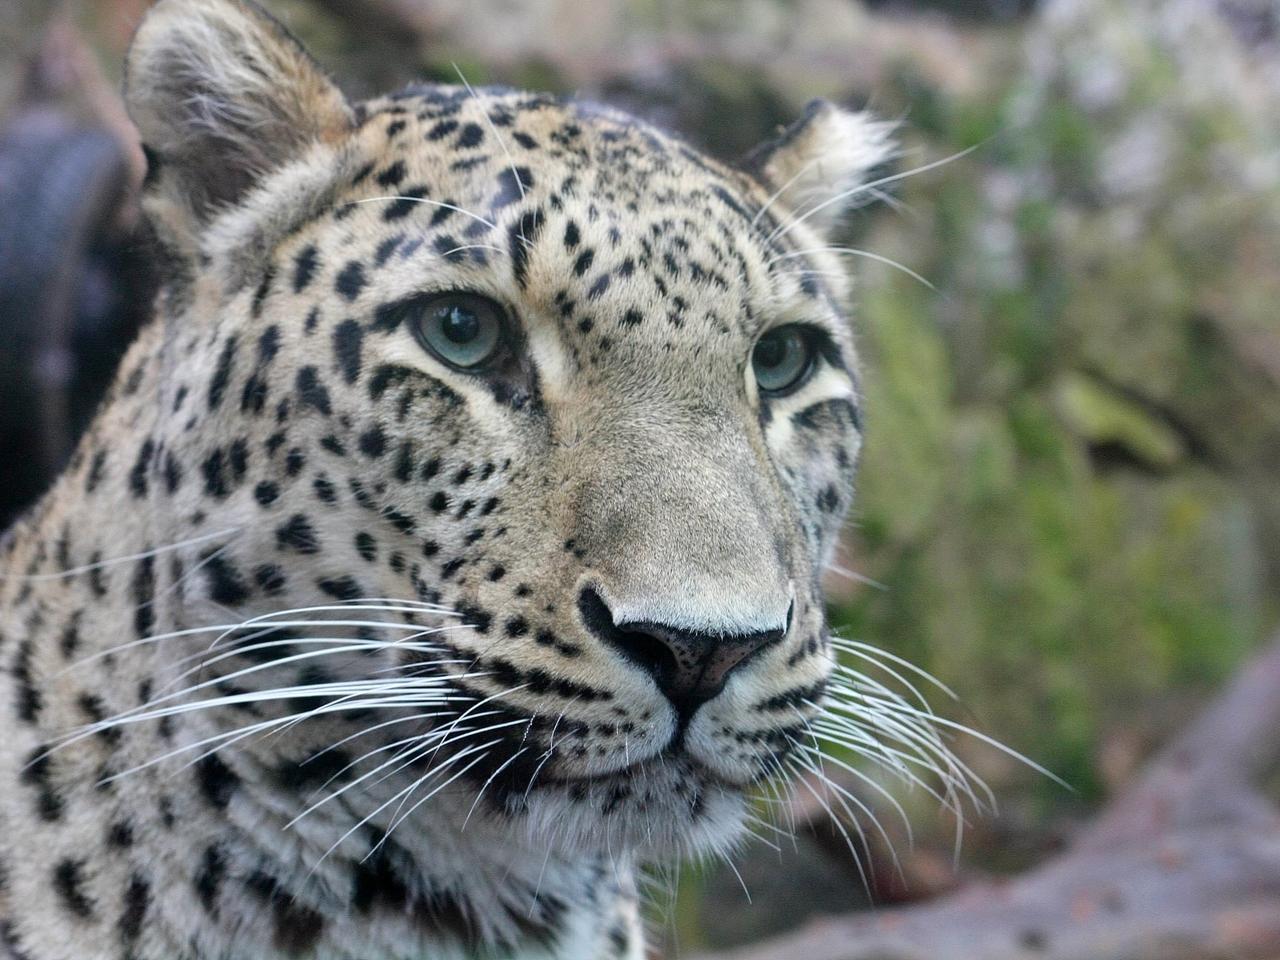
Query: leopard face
[(579, 399)]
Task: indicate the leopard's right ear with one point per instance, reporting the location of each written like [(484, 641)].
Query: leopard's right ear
[(222, 95)]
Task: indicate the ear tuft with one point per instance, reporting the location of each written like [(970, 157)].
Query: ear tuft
[(222, 96), (817, 163)]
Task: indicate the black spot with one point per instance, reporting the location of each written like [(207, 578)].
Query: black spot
[(446, 245), (584, 261), (208, 881), (222, 373), (405, 204), (70, 640), (312, 392), (521, 237), (269, 578), (632, 318), (404, 462), (268, 345), (373, 442), (304, 268), (386, 248), (401, 521), (341, 588), (384, 378), (215, 479), (828, 499), (571, 235), (238, 458), (366, 546), (472, 135), (217, 781), (375, 883), (351, 280), (94, 476), (442, 129), (297, 928), (298, 534), (266, 493), (120, 835), (226, 586), (68, 880), (324, 489), (172, 472), (36, 773), (317, 770), (392, 175), (137, 897), (512, 185), (599, 287), (141, 469), (144, 587), (260, 295), (439, 501)]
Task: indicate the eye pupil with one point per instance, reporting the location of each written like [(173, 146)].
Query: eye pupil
[(459, 325), (769, 352)]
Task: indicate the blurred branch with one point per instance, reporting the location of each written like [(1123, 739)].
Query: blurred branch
[(1184, 866)]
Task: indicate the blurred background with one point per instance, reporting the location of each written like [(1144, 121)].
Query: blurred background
[(1068, 508)]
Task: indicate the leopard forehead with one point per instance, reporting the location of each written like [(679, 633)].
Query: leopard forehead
[(580, 217)]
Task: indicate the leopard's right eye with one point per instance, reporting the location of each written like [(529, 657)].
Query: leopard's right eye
[(465, 331), (783, 359)]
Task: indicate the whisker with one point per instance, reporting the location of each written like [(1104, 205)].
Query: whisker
[(101, 564), (783, 230), (431, 203), (852, 251)]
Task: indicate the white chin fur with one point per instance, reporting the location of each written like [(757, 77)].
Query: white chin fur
[(668, 811)]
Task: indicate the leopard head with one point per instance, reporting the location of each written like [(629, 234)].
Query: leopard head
[(562, 413)]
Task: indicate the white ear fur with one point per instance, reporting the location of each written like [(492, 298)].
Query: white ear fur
[(223, 95), (818, 163)]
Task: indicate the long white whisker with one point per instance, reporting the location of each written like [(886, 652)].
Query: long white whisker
[(430, 203), (62, 574)]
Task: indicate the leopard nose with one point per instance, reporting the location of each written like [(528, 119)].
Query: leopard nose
[(690, 667)]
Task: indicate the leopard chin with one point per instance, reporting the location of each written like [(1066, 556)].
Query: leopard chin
[(657, 811)]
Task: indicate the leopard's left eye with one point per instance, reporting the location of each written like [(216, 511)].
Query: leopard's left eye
[(463, 330), (783, 359)]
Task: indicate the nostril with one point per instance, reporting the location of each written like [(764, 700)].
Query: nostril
[(690, 667), (648, 652)]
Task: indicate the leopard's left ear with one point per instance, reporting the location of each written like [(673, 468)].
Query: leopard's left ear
[(817, 164)]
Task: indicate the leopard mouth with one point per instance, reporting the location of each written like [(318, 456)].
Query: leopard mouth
[(639, 770)]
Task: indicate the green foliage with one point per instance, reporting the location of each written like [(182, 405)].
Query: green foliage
[(1060, 490)]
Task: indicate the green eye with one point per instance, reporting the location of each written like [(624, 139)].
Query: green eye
[(463, 330), (782, 359)]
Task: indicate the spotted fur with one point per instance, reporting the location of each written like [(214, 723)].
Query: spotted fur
[(287, 509)]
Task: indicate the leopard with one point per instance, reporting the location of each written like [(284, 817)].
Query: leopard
[(449, 547)]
